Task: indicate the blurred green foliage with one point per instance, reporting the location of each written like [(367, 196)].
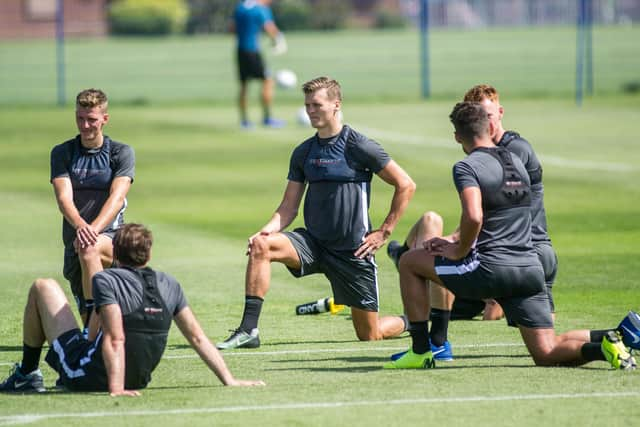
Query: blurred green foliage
[(147, 17)]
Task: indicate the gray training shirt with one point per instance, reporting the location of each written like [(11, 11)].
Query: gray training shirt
[(123, 287), (338, 171), (513, 142), (505, 237), (91, 172)]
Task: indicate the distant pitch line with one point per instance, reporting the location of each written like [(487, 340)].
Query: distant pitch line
[(6, 420), (416, 140)]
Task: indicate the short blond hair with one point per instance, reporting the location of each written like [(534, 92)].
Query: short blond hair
[(481, 92), (332, 86), (91, 98)]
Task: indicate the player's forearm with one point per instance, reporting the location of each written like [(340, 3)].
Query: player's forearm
[(108, 213), (211, 357), (64, 198), (401, 197), (467, 233), (70, 213), (192, 331), (114, 362), (114, 203), (280, 220)]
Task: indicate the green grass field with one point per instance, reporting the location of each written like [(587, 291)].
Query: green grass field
[(372, 65), (203, 187)]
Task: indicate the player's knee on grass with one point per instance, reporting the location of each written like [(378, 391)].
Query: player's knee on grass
[(368, 336), (366, 331)]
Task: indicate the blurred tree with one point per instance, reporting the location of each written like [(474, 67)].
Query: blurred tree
[(147, 17), (209, 16), (291, 15), (330, 14)]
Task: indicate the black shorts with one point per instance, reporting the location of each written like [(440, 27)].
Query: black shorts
[(520, 290), (549, 261), (78, 362), (532, 312), (354, 281), (470, 278), (250, 66), (466, 309)]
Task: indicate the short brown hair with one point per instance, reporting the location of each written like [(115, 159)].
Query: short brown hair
[(481, 92), (132, 245), (470, 120), (91, 98), (332, 86)]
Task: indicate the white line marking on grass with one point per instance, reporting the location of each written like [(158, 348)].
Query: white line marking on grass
[(586, 164), (29, 418), (332, 350), (408, 139), (193, 355)]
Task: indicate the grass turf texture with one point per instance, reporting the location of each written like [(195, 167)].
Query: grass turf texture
[(373, 65), (203, 187)]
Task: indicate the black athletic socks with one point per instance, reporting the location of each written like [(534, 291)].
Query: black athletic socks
[(30, 359), (420, 337), (591, 351), (252, 308), (89, 306), (439, 326), (597, 335)]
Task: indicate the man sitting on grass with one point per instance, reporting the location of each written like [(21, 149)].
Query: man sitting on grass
[(135, 306)]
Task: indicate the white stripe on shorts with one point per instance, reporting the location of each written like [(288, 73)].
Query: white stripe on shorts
[(71, 373), (457, 270)]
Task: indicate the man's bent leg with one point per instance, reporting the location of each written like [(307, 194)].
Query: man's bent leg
[(429, 225), (263, 250), (370, 327), (94, 259), (47, 315), (547, 349), (416, 266)]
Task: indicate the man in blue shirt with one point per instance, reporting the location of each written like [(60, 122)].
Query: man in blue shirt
[(250, 18)]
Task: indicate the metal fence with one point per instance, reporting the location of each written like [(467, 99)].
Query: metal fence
[(488, 13)]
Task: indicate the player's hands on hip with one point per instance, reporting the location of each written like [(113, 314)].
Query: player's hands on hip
[(372, 242), (85, 236), (439, 246)]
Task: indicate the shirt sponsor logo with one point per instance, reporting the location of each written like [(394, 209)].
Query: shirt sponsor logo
[(324, 162)]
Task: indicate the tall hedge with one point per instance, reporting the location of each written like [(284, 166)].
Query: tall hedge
[(147, 17)]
